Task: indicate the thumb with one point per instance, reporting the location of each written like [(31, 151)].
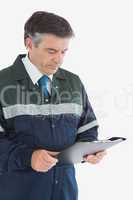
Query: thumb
[(53, 153)]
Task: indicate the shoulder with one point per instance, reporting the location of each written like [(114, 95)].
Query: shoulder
[(70, 75), (72, 80), (5, 76)]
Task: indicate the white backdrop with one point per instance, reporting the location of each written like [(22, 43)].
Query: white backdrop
[(101, 54)]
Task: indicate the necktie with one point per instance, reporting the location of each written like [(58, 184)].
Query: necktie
[(43, 83)]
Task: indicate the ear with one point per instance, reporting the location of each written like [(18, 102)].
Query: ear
[(28, 43)]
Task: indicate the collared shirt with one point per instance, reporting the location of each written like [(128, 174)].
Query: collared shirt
[(34, 73)]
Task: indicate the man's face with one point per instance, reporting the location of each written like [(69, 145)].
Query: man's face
[(48, 55)]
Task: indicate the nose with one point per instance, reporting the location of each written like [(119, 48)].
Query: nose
[(58, 58)]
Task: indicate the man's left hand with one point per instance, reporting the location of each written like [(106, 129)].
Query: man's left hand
[(94, 159)]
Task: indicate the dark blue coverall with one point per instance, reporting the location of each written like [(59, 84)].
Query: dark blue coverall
[(30, 121)]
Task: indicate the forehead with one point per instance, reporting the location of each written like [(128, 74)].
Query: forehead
[(52, 41)]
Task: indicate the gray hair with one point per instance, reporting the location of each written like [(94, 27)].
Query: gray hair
[(36, 38)]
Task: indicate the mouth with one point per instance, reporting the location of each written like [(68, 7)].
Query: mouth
[(53, 67)]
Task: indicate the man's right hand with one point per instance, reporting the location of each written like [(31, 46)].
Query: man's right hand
[(43, 160)]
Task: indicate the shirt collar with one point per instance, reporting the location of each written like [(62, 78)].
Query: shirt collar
[(32, 70)]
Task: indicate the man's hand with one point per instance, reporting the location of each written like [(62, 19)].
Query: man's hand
[(43, 160), (94, 159)]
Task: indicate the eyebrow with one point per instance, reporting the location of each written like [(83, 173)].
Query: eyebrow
[(51, 49)]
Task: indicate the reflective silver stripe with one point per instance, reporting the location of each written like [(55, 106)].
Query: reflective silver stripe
[(1, 129), (48, 109), (87, 126)]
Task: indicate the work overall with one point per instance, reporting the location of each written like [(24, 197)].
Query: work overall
[(31, 121)]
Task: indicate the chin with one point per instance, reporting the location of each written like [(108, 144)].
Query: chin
[(53, 70), (49, 72)]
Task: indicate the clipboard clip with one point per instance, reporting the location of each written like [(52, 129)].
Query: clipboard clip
[(116, 138)]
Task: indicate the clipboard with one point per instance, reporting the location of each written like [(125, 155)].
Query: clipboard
[(75, 153)]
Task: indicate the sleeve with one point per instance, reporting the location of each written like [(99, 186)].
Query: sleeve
[(15, 154), (88, 125)]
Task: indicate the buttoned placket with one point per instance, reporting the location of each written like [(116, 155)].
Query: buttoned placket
[(58, 172)]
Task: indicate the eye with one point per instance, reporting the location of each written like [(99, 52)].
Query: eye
[(50, 51), (63, 52)]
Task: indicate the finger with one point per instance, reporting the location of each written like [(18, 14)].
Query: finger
[(93, 161), (45, 166), (41, 168), (49, 159), (87, 159), (53, 153), (89, 156), (103, 153), (92, 158), (99, 156)]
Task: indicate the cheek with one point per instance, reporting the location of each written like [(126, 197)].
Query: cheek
[(42, 58)]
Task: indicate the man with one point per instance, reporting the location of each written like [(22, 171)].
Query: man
[(43, 110)]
